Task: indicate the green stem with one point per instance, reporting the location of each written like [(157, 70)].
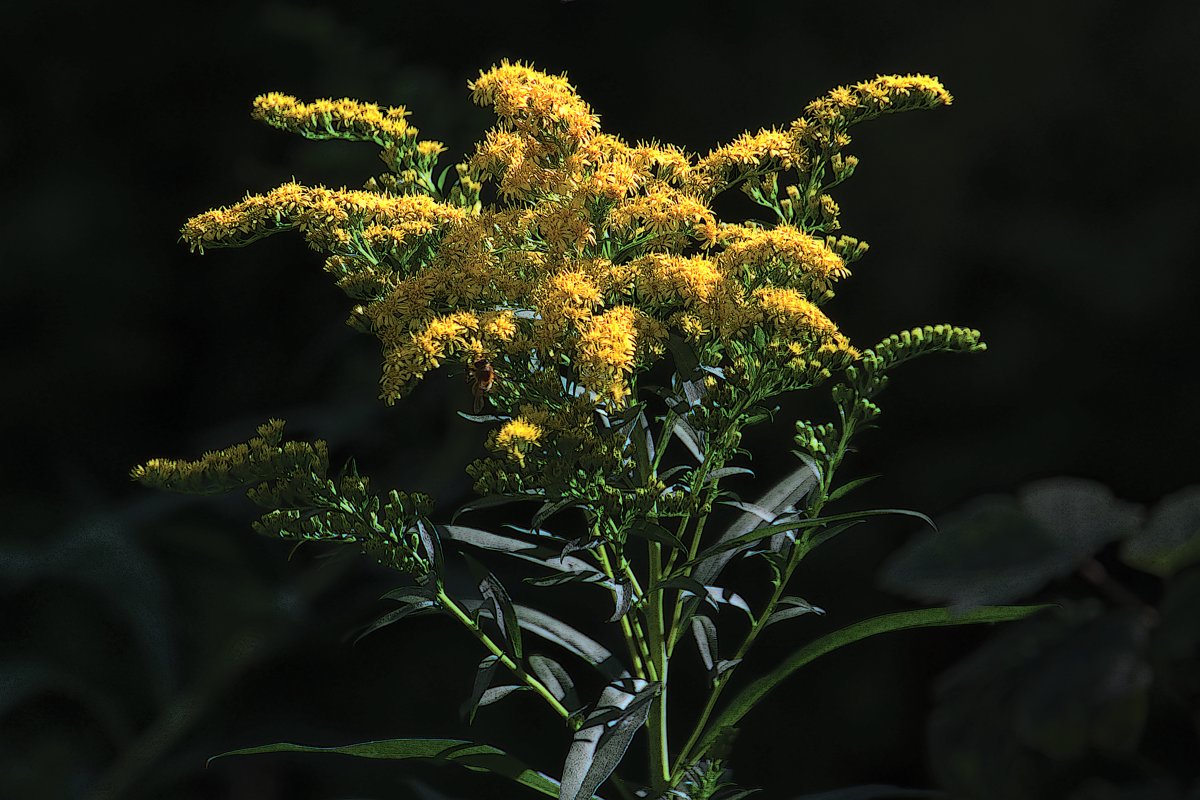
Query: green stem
[(798, 553), (760, 623), (660, 773), (516, 669), (633, 644)]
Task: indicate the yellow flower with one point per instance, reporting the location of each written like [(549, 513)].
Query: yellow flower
[(782, 255), (516, 437), (664, 211), (533, 102), (334, 119), (769, 150), (666, 278), (847, 105), (791, 312), (605, 352)]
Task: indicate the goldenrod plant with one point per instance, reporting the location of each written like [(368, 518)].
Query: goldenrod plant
[(619, 338)]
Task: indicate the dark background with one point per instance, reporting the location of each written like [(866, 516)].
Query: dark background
[(1053, 206)]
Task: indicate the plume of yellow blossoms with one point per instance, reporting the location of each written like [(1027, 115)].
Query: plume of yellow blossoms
[(568, 258)]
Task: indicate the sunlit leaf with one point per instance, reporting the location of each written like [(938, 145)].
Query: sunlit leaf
[(485, 673), (555, 678), (600, 744), (781, 498), (704, 631), (789, 607), (417, 608), (476, 757), (503, 613)]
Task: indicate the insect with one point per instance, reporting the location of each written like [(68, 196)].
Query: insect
[(481, 378)]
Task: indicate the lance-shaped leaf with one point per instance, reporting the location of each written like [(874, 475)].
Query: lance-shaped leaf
[(493, 500), (847, 488), (645, 529), (496, 599), (600, 744), (552, 507), (556, 679), (922, 618), (720, 596), (797, 523), (704, 631), (789, 607), (622, 598), (485, 673), (432, 544), (692, 439), (643, 445), (475, 757), (782, 498), (500, 692), (555, 630), (725, 472), (416, 608), (572, 567)]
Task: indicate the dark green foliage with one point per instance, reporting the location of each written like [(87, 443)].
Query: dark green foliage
[(1080, 700)]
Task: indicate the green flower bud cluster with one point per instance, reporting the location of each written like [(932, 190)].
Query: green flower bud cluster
[(816, 440), (290, 479), (868, 375)]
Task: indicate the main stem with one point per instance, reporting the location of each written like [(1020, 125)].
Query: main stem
[(656, 723)]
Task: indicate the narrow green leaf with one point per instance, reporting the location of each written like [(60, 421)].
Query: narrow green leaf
[(903, 620), (476, 757), (691, 439), (789, 607), (656, 533), (847, 488), (485, 673), (600, 744), (495, 595), (414, 609), (555, 678), (491, 501), (800, 523), (552, 507), (555, 630), (725, 472)]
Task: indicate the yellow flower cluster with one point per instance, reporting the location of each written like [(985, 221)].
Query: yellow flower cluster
[(334, 119), (330, 219), (535, 104), (847, 105), (593, 251), (516, 437), (782, 255)]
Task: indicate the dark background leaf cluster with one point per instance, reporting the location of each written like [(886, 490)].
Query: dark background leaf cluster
[(1053, 206)]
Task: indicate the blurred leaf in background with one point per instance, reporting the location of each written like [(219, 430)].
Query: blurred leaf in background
[(1098, 698)]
